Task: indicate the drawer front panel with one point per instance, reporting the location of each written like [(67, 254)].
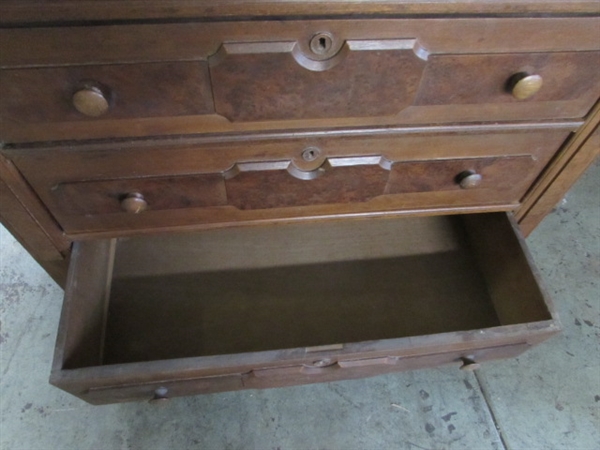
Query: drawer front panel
[(292, 376), (215, 77), (98, 190)]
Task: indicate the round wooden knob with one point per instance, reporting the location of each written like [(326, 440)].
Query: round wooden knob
[(525, 85), (469, 179), (469, 365), (134, 203), (90, 101), (160, 397)]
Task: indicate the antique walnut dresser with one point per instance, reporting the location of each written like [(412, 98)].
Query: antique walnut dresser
[(245, 194)]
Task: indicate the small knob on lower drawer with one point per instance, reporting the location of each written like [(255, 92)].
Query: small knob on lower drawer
[(469, 179), (523, 85), (134, 203), (160, 396), (469, 364), (91, 101)]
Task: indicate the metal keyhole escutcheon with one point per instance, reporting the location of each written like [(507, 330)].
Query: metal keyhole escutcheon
[(321, 43)]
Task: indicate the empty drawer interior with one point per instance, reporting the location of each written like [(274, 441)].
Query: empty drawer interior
[(301, 285)]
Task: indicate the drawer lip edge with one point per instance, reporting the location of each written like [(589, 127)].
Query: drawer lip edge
[(512, 335)]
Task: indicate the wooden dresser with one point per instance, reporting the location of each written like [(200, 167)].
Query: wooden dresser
[(246, 194)]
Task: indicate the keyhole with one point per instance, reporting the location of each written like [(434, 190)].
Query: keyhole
[(310, 153), (321, 43)]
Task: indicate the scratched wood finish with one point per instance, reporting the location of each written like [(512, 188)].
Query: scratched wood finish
[(437, 249)]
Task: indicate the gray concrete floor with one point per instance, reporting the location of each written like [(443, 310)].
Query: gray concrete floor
[(549, 398)]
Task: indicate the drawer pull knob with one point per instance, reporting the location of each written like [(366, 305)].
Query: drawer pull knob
[(160, 397), (524, 86), (323, 363), (469, 364), (134, 203), (90, 101), (469, 179)]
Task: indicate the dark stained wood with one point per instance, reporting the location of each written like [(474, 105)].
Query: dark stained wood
[(250, 182), (106, 197), (280, 81), (508, 269), (294, 375), (362, 291), (83, 319), (20, 223), (119, 43), (309, 121), (261, 86), (28, 220), (508, 174), (23, 11), (578, 153), (483, 79), (133, 90), (348, 184)]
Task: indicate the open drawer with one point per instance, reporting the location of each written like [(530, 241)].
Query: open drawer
[(182, 314)]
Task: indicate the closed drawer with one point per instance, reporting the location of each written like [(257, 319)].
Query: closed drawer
[(258, 307), (259, 76), (108, 189)]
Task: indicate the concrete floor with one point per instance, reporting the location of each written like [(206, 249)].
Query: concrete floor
[(547, 399)]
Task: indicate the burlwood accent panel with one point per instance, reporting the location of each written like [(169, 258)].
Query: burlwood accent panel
[(498, 174), (571, 83), (349, 184), (104, 197), (132, 91), (278, 81)]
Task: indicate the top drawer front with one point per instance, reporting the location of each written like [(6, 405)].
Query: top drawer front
[(223, 77)]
